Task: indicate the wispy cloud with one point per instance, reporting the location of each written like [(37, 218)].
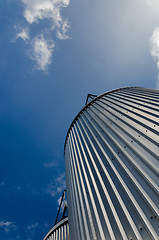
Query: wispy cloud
[(7, 226), (31, 230), (22, 33), (154, 41), (41, 51), (56, 185), (37, 10), (64, 203), (50, 164), (8, 187), (42, 44), (33, 226)]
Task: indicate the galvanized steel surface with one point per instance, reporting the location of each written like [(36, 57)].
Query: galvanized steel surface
[(112, 167), (59, 232)]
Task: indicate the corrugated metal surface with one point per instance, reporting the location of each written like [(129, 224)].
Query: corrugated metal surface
[(59, 232), (112, 167)]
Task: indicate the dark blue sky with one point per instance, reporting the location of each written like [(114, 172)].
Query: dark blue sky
[(46, 73)]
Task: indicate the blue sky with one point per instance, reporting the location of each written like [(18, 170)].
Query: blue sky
[(52, 54)]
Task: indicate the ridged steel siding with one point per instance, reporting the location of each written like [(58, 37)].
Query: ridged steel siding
[(59, 232), (112, 167)]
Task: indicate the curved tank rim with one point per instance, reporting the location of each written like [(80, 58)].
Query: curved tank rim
[(93, 100), (55, 227)]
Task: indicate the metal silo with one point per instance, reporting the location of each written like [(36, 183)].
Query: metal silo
[(112, 167), (59, 232)]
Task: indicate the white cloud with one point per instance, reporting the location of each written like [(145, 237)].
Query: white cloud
[(7, 226), (41, 51), (154, 40), (62, 32), (50, 164), (36, 10), (57, 185), (24, 34), (33, 226), (41, 47)]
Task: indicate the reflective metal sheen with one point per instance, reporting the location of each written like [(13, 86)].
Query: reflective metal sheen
[(59, 232), (112, 167)]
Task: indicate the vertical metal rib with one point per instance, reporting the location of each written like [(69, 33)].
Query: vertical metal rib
[(59, 232), (112, 167)]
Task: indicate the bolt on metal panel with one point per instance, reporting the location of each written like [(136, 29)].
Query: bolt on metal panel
[(112, 167)]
